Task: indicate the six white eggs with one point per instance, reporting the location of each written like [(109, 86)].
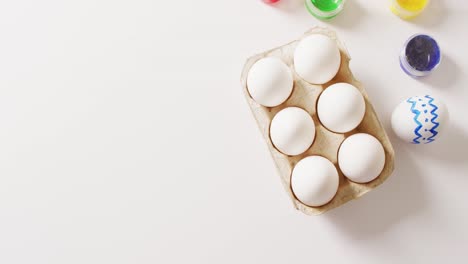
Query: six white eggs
[(341, 107)]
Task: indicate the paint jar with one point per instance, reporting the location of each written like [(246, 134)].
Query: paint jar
[(324, 9), (270, 1), (420, 55), (408, 9)]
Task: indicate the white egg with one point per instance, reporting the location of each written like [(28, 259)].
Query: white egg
[(270, 82), (314, 180), (292, 131), (420, 119), (317, 59), (341, 107), (361, 158)]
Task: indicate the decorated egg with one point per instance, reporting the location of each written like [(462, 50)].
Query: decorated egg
[(419, 119)]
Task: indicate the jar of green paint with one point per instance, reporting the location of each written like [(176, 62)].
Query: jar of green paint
[(324, 9)]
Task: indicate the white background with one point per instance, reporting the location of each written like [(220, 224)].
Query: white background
[(125, 137)]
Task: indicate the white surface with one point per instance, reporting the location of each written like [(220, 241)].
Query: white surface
[(361, 157), (341, 107), (292, 131), (317, 59), (270, 82), (125, 137), (314, 180)]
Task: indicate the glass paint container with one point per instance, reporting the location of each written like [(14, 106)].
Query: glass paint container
[(420, 55), (408, 9), (324, 9)]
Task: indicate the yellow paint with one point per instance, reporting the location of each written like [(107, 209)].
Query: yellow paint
[(408, 9), (413, 5)]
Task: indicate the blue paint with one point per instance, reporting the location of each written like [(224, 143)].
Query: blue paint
[(420, 55)]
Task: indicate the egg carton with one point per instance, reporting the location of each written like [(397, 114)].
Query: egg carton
[(326, 143)]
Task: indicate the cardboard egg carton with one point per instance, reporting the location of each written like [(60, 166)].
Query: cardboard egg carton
[(326, 143)]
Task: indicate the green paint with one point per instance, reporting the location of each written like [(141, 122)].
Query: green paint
[(326, 5), (324, 9)]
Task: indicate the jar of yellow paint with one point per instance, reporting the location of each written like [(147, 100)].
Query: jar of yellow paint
[(408, 9)]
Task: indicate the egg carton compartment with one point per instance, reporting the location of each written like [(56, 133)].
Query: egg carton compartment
[(326, 143)]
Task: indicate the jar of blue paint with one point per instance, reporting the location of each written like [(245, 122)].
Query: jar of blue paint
[(420, 55)]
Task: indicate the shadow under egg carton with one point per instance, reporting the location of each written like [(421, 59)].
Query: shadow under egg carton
[(326, 143)]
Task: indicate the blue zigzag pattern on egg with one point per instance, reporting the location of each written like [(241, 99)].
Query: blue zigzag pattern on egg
[(425, 131), (433, 119), (416, 115)]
